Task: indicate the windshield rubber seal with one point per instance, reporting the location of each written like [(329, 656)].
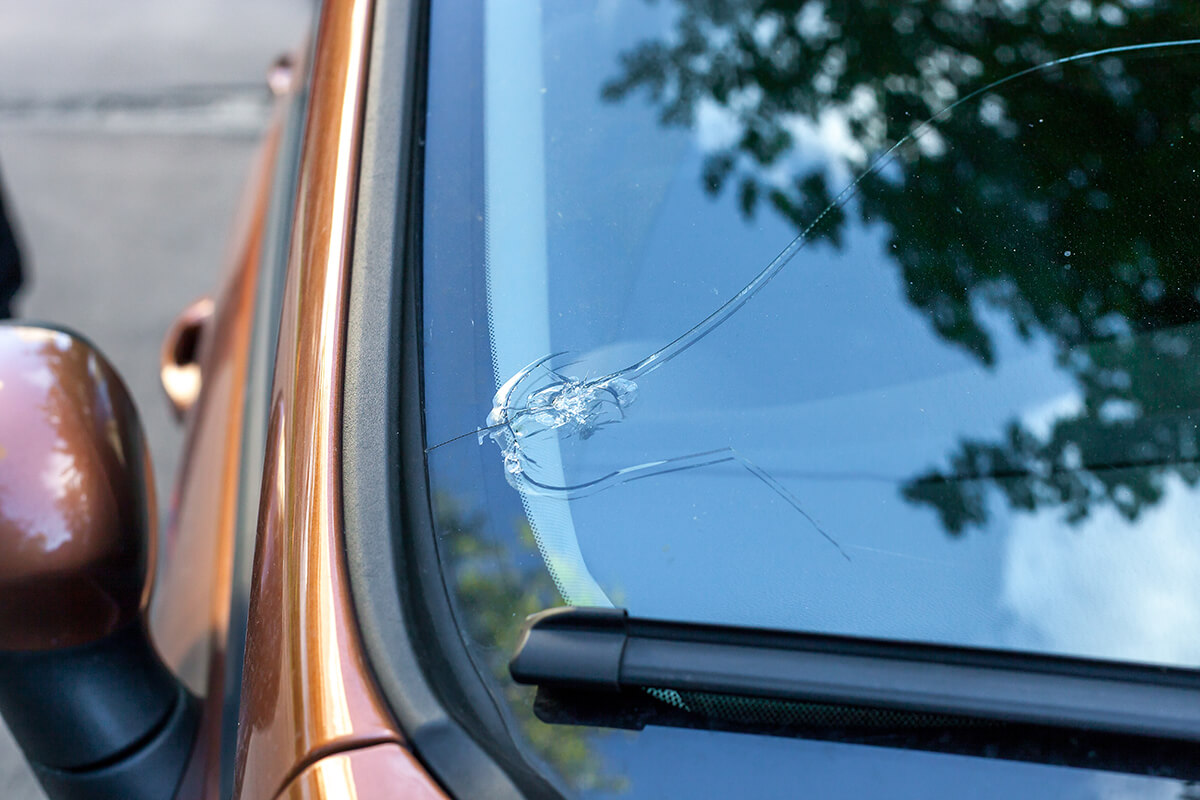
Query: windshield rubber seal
[(402, 605)]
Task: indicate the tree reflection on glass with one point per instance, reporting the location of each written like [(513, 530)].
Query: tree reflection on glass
[(495, 590), (1064, 204)]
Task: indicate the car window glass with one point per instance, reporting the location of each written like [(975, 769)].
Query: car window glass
[(869, 319)]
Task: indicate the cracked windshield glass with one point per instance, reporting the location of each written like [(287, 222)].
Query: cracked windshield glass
[(866, 318)]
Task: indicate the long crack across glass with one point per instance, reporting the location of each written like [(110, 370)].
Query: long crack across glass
[(545, 399)]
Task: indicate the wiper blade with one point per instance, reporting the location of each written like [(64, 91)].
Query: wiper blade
[(604, 649)]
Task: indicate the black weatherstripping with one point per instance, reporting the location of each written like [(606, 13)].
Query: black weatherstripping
[(402, 608), (599, 649)]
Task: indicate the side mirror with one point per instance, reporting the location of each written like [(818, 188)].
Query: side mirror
[(86, 696)]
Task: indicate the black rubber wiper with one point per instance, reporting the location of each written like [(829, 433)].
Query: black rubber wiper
[(602, 649)]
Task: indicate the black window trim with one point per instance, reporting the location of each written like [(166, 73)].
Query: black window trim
[(403, 609)]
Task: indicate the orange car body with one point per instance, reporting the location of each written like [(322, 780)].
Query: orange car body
[(312, 723)]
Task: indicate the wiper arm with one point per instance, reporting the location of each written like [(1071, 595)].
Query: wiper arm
[(604, 649)]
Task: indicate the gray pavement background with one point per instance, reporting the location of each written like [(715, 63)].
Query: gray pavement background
[(126, 130)]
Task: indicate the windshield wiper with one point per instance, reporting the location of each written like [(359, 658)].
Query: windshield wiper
[(606, 650)]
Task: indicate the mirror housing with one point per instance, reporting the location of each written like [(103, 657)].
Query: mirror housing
[(86, 696)]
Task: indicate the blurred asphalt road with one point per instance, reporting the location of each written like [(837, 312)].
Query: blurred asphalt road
[(126, 130)]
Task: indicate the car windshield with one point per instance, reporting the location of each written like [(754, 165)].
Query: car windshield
[(873, 319)]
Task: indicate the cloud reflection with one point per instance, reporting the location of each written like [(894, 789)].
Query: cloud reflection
[(1110, 587)]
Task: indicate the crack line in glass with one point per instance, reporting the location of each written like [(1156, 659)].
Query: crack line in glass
[(522, 409)]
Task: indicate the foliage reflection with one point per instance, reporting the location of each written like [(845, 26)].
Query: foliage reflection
[(1063, 204), (495, 590)]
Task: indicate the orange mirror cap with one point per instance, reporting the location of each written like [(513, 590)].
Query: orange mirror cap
[(76, 496)]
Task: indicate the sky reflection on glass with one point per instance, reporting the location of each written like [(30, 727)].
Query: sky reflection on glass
[(976, 376), (833, 392)]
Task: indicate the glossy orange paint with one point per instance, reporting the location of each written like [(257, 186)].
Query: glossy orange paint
[(307, 691), (76, 494), (383, 772), (190, 611)]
